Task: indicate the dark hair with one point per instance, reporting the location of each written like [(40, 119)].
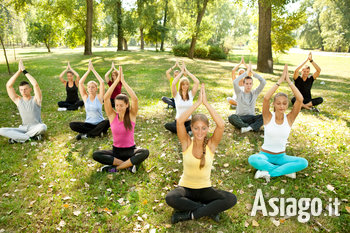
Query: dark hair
[(203, 118), (70, 72), (127, 121), (23, 83), (247, 77)]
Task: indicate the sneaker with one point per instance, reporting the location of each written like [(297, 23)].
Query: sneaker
[(314, 109), (180, 217), (81, 136), (292, 175), (109, 168), (37, 137), (262, 174), (246, 129), (12, 141), (62, 109), (216, 218), (132, 169)]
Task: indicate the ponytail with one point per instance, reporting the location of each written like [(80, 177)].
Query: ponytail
[(205, 142)]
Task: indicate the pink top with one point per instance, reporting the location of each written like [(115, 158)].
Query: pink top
[(122, 138)]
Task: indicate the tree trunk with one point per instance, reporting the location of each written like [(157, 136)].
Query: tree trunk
[(48, 47), (265, 60), (198, 24), (164, 24), (7, 62), (125, 42), (14, 50), (319, 29), (88, 30), (142, 41), (119, 25)]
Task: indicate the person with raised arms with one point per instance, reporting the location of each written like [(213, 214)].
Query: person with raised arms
[(167, 100), (29, 108), (72, 101), (233, 100), (95, 124), (304, 84), (245, 117), (195, 197), (272, 160), (117, 90), (125, 155), (183, 97)]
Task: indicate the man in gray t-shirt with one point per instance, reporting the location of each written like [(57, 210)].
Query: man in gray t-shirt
[(29, 108), (245, 118)]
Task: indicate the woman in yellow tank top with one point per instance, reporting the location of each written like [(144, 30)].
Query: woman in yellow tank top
[(195, 197)]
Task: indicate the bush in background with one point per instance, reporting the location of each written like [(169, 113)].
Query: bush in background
[(213, 52)]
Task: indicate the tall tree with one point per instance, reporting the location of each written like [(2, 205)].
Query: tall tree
[(265, 60), (120, 24), (146, 12), (4, 22), (201, 6), (164, 25), (88, 28)]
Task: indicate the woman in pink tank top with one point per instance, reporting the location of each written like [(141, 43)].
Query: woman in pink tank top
[(125, 155)]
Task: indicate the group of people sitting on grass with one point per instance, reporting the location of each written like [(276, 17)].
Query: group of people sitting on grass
[(194, 197)]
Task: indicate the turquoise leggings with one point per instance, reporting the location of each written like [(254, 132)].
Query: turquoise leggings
[(277, 165)]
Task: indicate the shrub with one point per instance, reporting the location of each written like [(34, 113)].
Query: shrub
[(181, 50), (216, 53), (201, 51)]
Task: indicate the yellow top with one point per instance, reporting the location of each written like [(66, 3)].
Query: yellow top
[(171, 85), (192, 176)]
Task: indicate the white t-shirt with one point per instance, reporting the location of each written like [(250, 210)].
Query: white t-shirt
[(182, 105)]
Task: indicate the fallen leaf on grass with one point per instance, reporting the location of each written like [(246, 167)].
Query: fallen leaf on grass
[(144, 202), (275, 222), (282, 220), (139, 219), (77, 212), (110, 176), (255, 223), (62, 223), (226, 165), (66, 198), (29, 213), (246, 224), (248, 206), (347, 208), (31, 204), (330, 187), (65, 205)]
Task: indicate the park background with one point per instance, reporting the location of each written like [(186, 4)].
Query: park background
[(53, 185)]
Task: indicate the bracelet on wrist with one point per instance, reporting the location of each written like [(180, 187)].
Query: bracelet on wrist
[(311, 61), (277, 84), (25, 72)]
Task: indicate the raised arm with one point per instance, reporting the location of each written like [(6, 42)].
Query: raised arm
[(37, 92), (134, 100), (184, 138), (234, 70), (220, 123), (318, 69), (109, 72), (296, 72), (102, 83), (195, 82), (77, 77), (262, 82), (175, 81), (9, 86), (82, 90), (107, 99), (298, 103), (62, 74), (266, 102), (168, 75)]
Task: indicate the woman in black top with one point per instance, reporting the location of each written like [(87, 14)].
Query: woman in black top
[(72, 101)]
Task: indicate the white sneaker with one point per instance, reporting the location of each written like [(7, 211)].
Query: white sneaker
[(246, 129), (292, 175), (262, 174), (62, 109)]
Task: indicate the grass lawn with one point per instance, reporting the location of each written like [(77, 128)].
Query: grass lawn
[(53, 185)]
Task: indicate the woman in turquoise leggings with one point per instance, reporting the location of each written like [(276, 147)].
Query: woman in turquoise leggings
[(272, 160)]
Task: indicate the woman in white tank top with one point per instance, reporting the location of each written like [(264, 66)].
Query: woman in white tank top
[(272, 160)]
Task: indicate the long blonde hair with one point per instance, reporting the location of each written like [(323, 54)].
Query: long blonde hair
[(203, 118), (182, 80)]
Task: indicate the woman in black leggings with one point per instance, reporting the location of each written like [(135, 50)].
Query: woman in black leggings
[(195, 197), (72, 101)]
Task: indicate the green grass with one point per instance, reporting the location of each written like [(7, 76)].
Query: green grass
[(44, 184)]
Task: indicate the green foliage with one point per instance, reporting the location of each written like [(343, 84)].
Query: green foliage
[(213, 52), (216, 53), (284, 24)]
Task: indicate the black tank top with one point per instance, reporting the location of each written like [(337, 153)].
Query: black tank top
[(72, 93)]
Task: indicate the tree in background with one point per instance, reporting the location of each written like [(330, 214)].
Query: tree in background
[(146, 12), (5, 26), (88, 27)]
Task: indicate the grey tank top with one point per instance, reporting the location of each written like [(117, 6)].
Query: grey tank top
[(30, 111)]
